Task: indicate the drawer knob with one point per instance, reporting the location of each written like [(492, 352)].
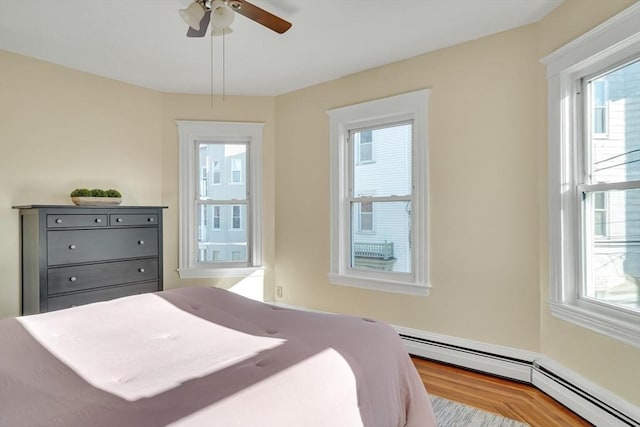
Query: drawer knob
[(72, 247), (141, 270), (150, 219), (141, 242), (72, 279), (98, 220), (118, 219), (58, 220)]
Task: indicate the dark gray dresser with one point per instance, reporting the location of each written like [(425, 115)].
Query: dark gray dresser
[(78, 255)]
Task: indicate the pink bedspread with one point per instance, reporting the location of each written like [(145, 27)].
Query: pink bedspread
[(205, 357)]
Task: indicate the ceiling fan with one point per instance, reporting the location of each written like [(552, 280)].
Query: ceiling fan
[(221, 14)]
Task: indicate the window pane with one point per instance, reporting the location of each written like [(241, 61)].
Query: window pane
[(216, 157), (236, 217), (366, 152), (365, 139), (614, 270), (216, 217), (366, 217), (389, 247), (600, 223), (599, 120), (224, 242), (599, 214), (216, 172), (204, 175), (599, 92), (615, 105), (391, 172), (236, 170)]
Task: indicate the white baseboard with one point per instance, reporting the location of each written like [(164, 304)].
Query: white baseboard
[(592, 402), (496, 360)]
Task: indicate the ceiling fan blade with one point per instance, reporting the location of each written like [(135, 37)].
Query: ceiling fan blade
[(204, 24), (259, 15)]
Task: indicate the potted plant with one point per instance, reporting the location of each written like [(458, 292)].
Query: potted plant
[(95, 197)]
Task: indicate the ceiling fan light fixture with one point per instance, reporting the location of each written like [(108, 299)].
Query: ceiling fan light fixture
[(215, 31), (221, 15), (192, 15)]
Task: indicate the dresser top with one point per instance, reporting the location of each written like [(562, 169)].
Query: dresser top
[(85, 207)]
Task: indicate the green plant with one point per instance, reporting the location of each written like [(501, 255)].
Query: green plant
[(96, 192), (81, 192)]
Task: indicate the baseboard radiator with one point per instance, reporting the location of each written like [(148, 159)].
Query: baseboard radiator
[(595, 404)]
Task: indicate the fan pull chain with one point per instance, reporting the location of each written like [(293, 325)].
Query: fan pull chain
[(224, 63), (211, 66)]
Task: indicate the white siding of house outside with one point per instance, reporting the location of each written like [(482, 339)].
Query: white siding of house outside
[(391, 221), (226, 240)]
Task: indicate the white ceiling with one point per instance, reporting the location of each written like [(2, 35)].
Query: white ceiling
[(143, 42)]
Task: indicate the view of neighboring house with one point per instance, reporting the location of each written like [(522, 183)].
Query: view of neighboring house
[(382, 228), (223, 202), (615, 153)]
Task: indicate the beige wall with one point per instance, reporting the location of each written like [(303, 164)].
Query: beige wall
[(61, 129), (487, 131), (483, 134)]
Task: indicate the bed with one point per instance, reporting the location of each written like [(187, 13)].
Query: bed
[(205, 357)]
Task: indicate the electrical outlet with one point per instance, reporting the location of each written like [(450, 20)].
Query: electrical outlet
[(278, 291)]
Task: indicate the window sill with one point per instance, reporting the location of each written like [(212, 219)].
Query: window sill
[(396, 287), (622, 330), (206, 273)]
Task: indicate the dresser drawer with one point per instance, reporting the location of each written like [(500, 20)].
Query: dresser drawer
[(69, 279), (62, 221), (132, 219), (81, 298), (77, 246)]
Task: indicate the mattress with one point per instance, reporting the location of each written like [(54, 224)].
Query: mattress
[(205, 357)]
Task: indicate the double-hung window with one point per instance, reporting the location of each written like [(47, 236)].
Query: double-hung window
[(594, 179), (609, 187), (225, 209), (390, 255)]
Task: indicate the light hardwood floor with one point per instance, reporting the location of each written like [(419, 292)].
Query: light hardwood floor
[(510, 399)]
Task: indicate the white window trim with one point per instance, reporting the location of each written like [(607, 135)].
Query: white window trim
[(607, 44), (190, 132), (409, 106)]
